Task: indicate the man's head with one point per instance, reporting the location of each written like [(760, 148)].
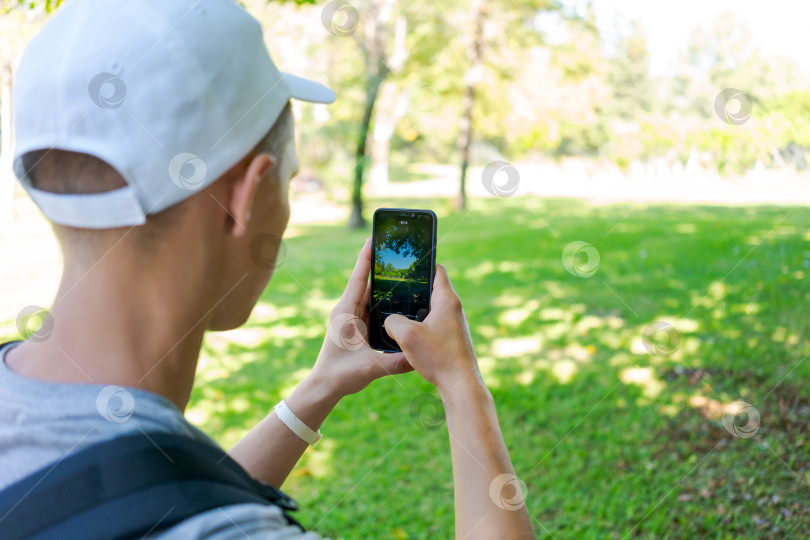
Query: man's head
[(235, 223), (159, 135)]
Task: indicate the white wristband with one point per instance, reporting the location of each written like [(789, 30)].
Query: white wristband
[(296, 426)]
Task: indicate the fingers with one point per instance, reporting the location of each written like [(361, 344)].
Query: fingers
[(390, 364), (400, 328), (358, 281), (441, 280), (441, 283), (365, 302)]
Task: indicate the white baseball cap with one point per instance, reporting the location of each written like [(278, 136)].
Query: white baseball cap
[(169, 93)]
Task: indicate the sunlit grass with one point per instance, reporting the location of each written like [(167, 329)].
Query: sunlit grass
[(611, 440)]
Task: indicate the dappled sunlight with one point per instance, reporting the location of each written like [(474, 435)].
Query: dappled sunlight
[(621, 358), (565, 314), (515, 316), (710, 408), (487, 331), (644, 377), (221, 364), (783, 335), (321, 306), (509, 300), (245, 336), (484, 269), (685, 228), (487, 365), (317, 462), (481, 270), (564, 370), (278, 311), (592, 322), (506, 347), (197, 415), (263, 312), (520, 354), (574, 351), (749, 308), (663, 345), (563, 356), (294, 379), (713, 297)]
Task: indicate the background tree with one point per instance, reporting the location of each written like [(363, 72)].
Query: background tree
[(382, 43), (629, 76), (498, 30)]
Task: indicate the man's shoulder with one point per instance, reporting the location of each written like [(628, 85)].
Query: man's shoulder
[(43, 422)]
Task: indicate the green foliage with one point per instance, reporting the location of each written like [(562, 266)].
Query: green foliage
[(657, 138), (581, 139), (540, 94), (50, 5), (629, 76), (6, 6), (790, 114)]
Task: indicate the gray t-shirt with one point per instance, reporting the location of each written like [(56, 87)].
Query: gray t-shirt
[(43, 422)]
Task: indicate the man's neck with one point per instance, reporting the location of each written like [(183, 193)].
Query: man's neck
[(110, 328)]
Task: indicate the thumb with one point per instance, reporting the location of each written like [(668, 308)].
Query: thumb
[(400, 328), (391, 364)]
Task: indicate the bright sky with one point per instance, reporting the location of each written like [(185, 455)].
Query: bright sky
[(779, 26), (397, 261)]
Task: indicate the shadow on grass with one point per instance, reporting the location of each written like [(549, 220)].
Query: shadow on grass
[(612, 438), (615, 437)]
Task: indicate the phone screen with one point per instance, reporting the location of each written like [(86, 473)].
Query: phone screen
[(403, 262)]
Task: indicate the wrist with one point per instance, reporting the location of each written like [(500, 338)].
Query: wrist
[(471, 385), (317, 390)]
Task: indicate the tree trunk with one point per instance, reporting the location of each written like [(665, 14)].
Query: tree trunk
[(374, 44), (392, 105), (465, 139), (356, 219), (471, 78)]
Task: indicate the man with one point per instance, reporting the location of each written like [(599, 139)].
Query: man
[(157, 137)]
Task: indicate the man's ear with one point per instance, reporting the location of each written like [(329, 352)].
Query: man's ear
[(243, 190)]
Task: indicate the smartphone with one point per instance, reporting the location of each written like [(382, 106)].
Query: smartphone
[(403, 263)]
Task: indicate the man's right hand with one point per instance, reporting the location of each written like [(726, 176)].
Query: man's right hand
[(440, 347), (441, 350)]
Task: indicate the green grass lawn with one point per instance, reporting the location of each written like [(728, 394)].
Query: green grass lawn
[(611, 441)]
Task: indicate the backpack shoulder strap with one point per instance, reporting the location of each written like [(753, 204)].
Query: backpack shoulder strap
[(129, 487)]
